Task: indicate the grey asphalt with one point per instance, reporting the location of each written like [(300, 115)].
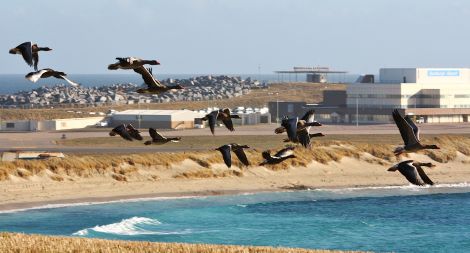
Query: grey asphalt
[(45, 141)]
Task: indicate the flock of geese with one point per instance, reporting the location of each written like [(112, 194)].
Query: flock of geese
[(30, 53), (298, 130)]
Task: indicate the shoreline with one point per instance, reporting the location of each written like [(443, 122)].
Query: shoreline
[(70, 202), (79, 180)]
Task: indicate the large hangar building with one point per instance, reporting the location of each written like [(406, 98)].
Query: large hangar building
[(162, 119)]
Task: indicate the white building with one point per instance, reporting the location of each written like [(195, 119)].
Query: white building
[(166, 119), (431, 95), (413, 88), (48, 125)]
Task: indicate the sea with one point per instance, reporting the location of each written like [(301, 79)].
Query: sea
[(12, 83), (380, 219)]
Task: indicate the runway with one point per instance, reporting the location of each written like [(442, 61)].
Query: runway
[(46, 141)]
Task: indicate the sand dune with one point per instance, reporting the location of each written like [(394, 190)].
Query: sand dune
[(104, 178)]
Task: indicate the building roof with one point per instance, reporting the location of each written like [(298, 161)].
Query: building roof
[(311, 70)]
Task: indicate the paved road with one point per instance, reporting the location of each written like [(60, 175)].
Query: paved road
[(46, 140)]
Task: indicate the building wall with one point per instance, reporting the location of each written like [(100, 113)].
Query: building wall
[(163, 119), (409, 95), (443, 75), (15, 125), (290, 109), (64, 124)]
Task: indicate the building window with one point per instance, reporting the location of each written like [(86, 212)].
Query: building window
[(10, 125)]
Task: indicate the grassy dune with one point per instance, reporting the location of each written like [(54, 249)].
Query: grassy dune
[(11, 242), (123, 167)]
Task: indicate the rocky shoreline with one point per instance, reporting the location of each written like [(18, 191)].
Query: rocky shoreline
[(196, 89)]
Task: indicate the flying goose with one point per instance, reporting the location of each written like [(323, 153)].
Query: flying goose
[(121, 130), (29, 52), (280, 156), (413, 172), (45, 73), (237, 149), (131, 63), (223, 115), (294, 126), (410, 134), (160, 139), (153, 85), (304, 138)]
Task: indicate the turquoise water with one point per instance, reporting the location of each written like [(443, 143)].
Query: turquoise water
[(399, 219)]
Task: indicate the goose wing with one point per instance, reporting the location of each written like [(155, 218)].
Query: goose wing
[(35, 76), (148, 77), (413, 126), (212, 118), (266, 155), (27, 52), (291, 128), (406, 131), (155, 135), (226, 118), (134, 132), (228, 123), (304, 138), (226, 155), (35, 60), (308, 116), (285, 152), (62, 75), (241, 155), (410, 173), (122, 131), (423, 175)]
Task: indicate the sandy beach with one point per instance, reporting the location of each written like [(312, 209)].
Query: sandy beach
[(154, 182)]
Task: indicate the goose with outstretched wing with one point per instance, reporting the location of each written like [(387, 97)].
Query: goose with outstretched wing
[(279, 157), (410, 135), (157, 138), (46, 73), (153, 85), (131, 63), (29, 52), (413, 172)]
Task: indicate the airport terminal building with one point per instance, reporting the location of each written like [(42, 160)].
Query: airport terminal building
[(430, 95)]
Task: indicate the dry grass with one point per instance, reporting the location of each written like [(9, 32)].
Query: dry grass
[(308, 92), (124, 167), (449, 145), (209, 173), (19, 243)]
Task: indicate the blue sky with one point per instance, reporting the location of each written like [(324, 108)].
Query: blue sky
[(236, 36)]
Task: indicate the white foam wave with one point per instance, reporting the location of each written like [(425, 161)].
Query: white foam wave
[(131, 226)]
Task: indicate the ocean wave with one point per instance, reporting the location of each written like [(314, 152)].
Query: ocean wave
[(131, 226)]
